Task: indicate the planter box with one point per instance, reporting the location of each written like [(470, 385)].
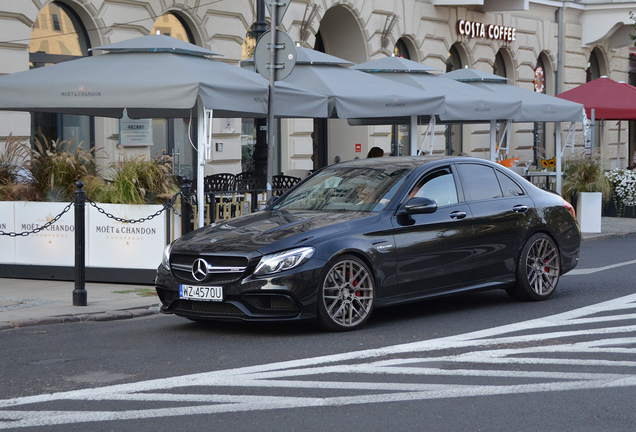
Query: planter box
[(54, 246), (115, 251), (124, 245), (611, 211), (589, 206)]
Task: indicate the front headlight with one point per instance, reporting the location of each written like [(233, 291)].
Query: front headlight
[(281, 261), (165, 261)]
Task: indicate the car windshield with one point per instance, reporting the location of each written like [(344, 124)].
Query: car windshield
[(346, 189)]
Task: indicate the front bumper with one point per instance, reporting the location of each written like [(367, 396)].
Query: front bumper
[(286, 297)]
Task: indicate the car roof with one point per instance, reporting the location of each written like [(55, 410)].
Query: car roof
[(409, 162)]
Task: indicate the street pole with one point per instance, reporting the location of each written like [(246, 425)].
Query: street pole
[(272, 91), (260, 124)]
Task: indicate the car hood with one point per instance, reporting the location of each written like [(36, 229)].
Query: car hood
[(267, 231)]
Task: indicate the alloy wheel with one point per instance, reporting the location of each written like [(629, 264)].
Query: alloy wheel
[(347, 294), (543, 267)]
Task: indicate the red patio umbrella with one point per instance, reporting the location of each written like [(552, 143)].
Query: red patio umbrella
[(610, 100)]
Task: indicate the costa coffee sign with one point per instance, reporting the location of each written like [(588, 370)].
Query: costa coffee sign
[(474, 29)]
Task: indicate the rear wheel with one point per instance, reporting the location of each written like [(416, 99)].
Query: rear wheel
[(346, 295), (538, 270)]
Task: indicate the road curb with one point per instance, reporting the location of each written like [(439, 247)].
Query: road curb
[(99, 316)]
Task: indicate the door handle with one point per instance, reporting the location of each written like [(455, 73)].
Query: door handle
[(458, 214), (520, 209)]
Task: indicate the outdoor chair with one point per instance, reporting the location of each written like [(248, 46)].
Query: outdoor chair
[(284, 181), (219, 182), (246, 182)]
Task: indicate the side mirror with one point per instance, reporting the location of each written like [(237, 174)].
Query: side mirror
[(273, 200), (420, 205)]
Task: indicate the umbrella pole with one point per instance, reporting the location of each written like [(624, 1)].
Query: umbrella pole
[(413, 135), (618, 147), (204, 129), (559, 160), (493, 140)]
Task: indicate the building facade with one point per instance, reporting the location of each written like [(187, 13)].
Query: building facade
[(548, 46)]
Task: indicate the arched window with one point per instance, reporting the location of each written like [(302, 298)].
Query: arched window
[(593, 67), (249, 44), (58, 35), (401, 49), (453, 60), (499, 67), (170, 24)]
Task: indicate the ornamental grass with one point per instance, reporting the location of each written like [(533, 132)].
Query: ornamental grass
[(49, 171), (585, 173)]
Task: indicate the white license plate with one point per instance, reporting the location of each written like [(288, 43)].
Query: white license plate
[(205, 293)]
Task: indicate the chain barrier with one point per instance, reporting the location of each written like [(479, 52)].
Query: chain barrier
[(168, 205), (38, 229)]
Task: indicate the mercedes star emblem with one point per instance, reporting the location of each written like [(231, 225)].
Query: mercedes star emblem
[(200, 269)]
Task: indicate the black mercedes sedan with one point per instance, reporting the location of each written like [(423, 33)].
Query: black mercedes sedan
[(372, 233)]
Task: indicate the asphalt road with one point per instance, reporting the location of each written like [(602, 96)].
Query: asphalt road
[(475, 362)]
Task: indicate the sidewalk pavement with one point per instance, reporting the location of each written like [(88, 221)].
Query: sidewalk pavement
[(26, 302)]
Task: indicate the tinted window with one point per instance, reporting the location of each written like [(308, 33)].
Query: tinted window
[(509, 186), (479, 182), (438, 186)]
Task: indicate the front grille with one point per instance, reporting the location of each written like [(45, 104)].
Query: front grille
[(213, 308), (221, 269), (271, 303)]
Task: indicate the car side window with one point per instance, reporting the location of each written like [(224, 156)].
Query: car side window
[(479, 182), (509, 186), (438, 186)]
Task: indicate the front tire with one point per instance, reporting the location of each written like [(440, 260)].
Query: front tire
[(538, 269), (346, 295)]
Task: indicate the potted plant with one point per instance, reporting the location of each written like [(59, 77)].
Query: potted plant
[(623, 184), (586, 187)]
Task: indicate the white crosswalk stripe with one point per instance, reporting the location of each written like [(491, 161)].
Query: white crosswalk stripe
[(587, 348)]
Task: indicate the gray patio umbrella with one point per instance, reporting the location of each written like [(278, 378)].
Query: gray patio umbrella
[(154, 77), (535, 107), (353, 94), (463, 103)]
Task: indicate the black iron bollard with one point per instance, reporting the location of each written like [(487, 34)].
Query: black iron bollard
[(186, 208), (79, 293)]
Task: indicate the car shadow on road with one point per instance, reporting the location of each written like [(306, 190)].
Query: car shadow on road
[(412, 313)]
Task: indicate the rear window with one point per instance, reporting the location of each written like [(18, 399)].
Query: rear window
[(479, 182), (509, 186)]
